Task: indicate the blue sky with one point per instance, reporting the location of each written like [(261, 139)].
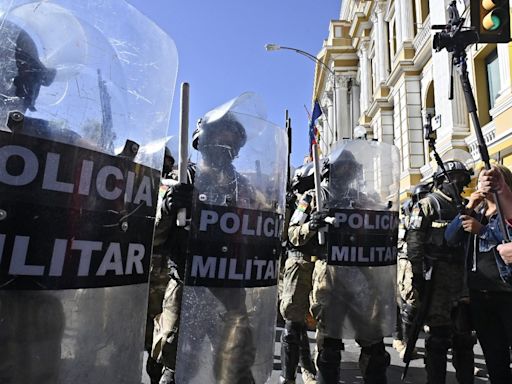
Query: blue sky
[(221, 54)]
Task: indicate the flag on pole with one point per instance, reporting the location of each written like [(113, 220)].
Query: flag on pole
[(314, 133)]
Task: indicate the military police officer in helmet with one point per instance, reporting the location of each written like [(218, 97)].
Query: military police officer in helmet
[(350, 300), (219, 143), (220, 339), (447, 317), (297, 285), (49, 314), (407, 297)]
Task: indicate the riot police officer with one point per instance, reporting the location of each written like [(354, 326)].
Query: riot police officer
[(407, 296), (78, 310), (168, 268), (345, 300), (33, 321), (159, 277), (297, 285), (429, 253), (217, 182)]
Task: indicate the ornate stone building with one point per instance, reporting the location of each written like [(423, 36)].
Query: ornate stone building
[(388, 79)]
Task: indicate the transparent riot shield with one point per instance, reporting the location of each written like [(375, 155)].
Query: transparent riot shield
[(230, 293), (83, 95), (363, 202)]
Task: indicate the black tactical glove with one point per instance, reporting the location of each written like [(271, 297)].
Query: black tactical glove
[(291, 198), (176, 197), (408, 314), (317, 220)]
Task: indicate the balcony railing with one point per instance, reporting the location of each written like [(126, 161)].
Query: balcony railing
[(423, 35)]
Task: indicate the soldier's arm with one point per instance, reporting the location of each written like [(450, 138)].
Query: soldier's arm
[(163, 228), (417, 234), (299, 232)]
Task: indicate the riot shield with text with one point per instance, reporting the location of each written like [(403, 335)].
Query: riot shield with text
[(82, 98), (363, 202), (229, 298)]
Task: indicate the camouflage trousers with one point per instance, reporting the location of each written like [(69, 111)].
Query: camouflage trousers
[(343, 311), (297, 286), (158, 279), (405, 292), (165, 334)]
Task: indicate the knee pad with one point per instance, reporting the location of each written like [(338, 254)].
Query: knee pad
[(438, 338), (236, 352), (374, 358), (291, 333)]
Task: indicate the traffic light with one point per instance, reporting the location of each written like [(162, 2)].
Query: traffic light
[(491, 18)]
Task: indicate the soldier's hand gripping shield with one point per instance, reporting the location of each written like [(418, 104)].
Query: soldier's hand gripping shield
[(229, 298), (363, 202), (80, 95)]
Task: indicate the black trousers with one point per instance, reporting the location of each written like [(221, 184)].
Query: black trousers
[(492, 319)]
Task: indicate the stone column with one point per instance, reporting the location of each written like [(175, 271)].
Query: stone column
[(343, 127), (355, 103), (398, 25), (331, 119), (326, 138), (365, 76), (407, 20), (382, 44)]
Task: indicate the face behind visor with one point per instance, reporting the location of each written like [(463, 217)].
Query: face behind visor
[(21, 72), (220, 141)]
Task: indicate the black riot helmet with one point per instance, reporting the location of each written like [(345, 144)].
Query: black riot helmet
[(345, 166), (219, 140), (168, 161), (457, 172), (21, 71), (420, 191), (304, 178)]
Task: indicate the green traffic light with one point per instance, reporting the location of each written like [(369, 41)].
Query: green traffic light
[(491, 22)]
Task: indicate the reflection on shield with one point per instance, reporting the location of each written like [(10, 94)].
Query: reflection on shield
[(362, 241)]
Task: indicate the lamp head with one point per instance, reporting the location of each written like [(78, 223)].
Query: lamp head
[(272, 47)]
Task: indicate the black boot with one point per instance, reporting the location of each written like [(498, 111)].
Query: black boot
[(464, 358), (290, 351), (154, 370), (373, 363), (437, 343), (305, 360), (329, 361)]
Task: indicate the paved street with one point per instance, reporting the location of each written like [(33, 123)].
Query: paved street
[(350, 371)]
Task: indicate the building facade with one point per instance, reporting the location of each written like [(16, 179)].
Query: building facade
[(385, 80)]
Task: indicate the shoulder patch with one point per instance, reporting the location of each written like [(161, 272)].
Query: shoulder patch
[(300, 215)]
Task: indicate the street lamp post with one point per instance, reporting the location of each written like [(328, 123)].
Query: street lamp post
[(276, 47)]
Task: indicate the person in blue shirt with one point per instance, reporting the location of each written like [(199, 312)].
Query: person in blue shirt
[(489, 291)]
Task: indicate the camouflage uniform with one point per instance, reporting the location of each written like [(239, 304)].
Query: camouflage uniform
[(164, 302), (407, 296), (294, 306), (447, 328)]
